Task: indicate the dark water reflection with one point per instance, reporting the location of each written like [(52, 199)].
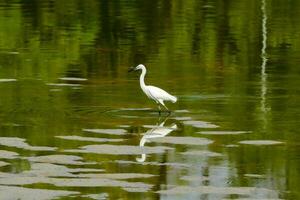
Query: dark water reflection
[(72, 119)]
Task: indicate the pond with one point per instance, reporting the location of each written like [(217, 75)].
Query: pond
[(74, 124)]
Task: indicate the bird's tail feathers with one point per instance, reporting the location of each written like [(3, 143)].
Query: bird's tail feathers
[(173, 99)]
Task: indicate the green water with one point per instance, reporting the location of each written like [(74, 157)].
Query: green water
[(75, 125)]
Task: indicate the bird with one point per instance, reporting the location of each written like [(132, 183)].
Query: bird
[(152, 92)]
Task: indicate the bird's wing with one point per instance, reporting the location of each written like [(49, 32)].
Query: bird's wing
[(158, 93)]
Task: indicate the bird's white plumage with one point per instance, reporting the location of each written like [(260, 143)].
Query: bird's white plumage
[(159, 94), (152, 92)]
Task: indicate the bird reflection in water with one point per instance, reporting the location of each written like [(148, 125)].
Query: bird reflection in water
[(157, 132)]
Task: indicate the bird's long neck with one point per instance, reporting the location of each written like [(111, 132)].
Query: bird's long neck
[(142, 79)]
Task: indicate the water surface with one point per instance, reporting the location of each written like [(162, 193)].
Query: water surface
[(74, 124)]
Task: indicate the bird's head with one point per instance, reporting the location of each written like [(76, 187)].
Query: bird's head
[(140, 66)]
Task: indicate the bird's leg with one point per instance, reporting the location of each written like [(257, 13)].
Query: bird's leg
[(162, 103), (159, 110), (166, 108), (169, 112)]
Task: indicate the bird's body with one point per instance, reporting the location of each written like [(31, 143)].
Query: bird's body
[(158, 94), (152, 92)]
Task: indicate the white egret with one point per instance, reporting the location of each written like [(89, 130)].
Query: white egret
[(152, 92)]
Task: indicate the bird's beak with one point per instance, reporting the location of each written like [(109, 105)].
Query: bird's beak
[(131, 69)]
